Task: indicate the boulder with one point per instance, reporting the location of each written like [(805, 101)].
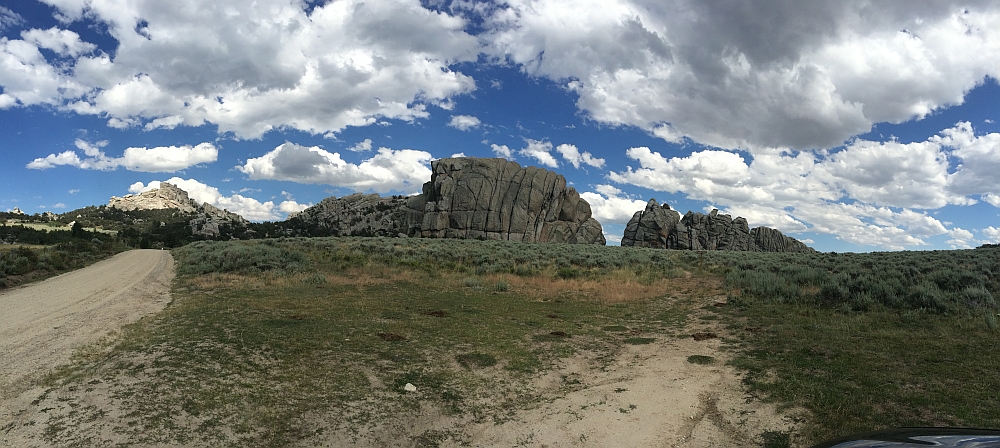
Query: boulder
[(660, 227), (467, 197)]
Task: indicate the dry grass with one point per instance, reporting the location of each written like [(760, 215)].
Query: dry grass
[(618, 287)]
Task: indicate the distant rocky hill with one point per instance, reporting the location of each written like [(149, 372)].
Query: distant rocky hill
[(205, 220), (660, 227), (466, 197)]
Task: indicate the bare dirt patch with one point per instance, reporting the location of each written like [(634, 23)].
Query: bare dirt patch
[(41, 325)]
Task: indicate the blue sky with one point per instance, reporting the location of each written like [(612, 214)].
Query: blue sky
[(851, 125)]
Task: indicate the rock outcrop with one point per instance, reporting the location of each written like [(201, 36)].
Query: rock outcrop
[(355, 215), (467, 197), (660, 227), (167, 196), (206, 219)]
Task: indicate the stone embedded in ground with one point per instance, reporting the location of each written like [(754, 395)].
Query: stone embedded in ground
[(660, 227), (468, 198), (410, 388)]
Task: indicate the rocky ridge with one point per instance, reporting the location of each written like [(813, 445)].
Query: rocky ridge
[(662, 228), (206, 219), (469, 198)]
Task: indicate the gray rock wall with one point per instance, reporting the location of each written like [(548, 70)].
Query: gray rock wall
[(662, 228), (497, 199), (469, 198)]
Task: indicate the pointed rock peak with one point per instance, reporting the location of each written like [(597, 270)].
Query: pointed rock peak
[(652, 204)]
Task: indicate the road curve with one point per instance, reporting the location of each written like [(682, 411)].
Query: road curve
[(43, 323)]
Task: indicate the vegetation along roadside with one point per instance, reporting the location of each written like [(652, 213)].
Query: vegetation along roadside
[(282, 341)]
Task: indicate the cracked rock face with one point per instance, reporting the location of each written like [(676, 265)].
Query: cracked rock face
[(468, 198), (206, 218), (356, 215), (167, 196), (660, 227), (497, 199)]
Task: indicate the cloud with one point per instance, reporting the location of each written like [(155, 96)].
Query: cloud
[(62, 42), (502, 151), (463, 122), (574, 157), (540, 151), (610, 205), (980, 161), (991, 234), (752, 75), (868, 193), (168, 159), (292, 207), (74, 191), (9, 18), (363, 146), (27, 78), (58, 205), (246, 207), (960, 238), (248, 67), (162, 159), (402, 170)]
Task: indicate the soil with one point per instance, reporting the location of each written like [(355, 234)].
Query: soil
[(671, 392), (43, 324), (650, 394)]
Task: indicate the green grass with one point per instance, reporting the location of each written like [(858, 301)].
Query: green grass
[(858, 372), (701, 359), (263, 335)]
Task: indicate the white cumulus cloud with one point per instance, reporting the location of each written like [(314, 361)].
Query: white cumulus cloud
[(463, 122), (540, 151), (868, 193), (573, 155), (502, 151), (402, 170), (63, 42), (362, 146), (245, 67), (610, 205), (752, 75), (991, 234), (161, 159)]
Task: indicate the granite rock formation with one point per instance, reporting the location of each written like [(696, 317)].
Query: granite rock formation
[(467, 198), (206, 219), (167, 196), (660, 227), (355, 215)]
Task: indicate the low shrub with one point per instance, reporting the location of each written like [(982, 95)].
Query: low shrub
[(238, 257)]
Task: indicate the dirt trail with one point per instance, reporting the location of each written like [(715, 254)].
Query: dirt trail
[(648, 395), (43, 323)]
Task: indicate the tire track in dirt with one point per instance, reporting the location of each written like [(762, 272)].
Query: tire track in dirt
[(43, 323)]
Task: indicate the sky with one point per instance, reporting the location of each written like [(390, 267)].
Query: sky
[(851, 125)]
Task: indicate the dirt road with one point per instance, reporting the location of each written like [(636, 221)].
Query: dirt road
[(41, 324)]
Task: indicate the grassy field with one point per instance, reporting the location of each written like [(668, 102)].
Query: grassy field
[(279, 341)]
